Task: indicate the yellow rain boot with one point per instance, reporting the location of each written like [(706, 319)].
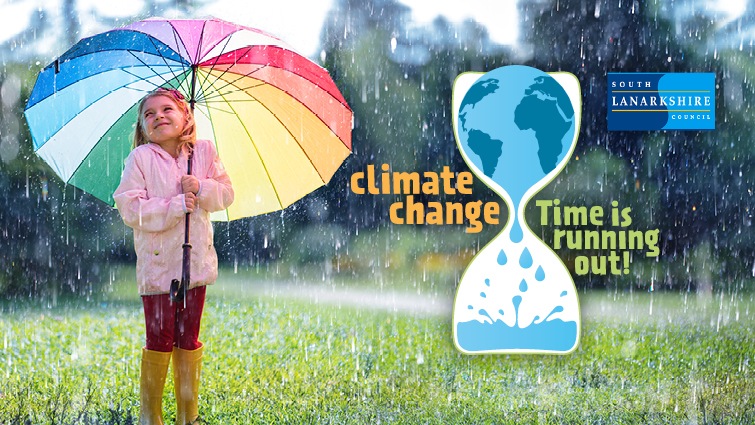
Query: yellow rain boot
[(187, 367), (154, 368)]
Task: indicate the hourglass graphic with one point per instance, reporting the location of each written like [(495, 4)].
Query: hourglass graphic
[(516, 128)]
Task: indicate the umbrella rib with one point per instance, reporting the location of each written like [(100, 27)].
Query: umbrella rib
[(199, 44), (178, 39), (302, 103), (143, 79), (218, 109), (228, 83), (140, 79), (207, 115), (123, 68), (211, 98), (180, 43), (269, 177), (292, 136), (233, 101), (166, 63), (198, 94), (217, 58), (149, 67), (265, 66), (226, 70)]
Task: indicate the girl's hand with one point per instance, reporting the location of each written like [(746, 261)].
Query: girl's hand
[(190, 200), (189, 184)]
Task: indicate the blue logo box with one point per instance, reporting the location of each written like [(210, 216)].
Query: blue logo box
[(656, 101)]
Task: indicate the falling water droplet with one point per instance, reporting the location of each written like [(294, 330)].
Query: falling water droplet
[(516, 232), (526, 259), (487, 282), (470, 307), (540, 274), (482, 294), (502, 258), (563, 294), (523, 286)]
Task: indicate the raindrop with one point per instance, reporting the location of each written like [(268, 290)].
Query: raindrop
[(502, 258), (523, 286), (516, 232), (482, 294), (470, 307), (563, 294), (526, 259), (540, 274), (487, 282)]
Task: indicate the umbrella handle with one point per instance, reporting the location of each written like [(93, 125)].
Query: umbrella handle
[(178, 289)]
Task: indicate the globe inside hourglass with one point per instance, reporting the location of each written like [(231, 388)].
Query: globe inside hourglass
[(516, 128)]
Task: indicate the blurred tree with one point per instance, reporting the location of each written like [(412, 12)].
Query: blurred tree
[(690, 183), (54, 238), (398, 79)]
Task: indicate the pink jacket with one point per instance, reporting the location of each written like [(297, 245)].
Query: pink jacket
[(150, 201)]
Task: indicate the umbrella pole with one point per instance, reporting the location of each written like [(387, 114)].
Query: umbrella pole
[(178, 290)]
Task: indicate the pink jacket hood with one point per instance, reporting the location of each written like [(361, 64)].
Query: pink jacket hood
[(150, 200)]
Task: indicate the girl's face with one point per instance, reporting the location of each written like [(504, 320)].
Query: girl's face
[(164, 121)]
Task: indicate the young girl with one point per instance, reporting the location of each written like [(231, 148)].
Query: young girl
[(153, 198)]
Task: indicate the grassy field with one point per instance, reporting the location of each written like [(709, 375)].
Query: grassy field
[(274, 358)]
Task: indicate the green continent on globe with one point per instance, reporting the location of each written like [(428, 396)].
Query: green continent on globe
[(475, 94), (488, 149), (539, 111)]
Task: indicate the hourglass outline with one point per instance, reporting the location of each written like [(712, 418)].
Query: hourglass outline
[(549, 322)]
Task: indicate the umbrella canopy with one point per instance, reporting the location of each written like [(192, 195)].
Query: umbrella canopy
[(279, 123)]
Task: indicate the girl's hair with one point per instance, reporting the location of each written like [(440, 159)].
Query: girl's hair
[(189, 133)]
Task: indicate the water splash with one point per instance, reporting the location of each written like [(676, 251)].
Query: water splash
[(502, 258), (485, 313), (540, 274), (523, 285), (525, 260), (558, 309), (554, 335), (516, 300)]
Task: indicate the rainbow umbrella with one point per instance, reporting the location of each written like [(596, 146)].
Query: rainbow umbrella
[(278, 121)]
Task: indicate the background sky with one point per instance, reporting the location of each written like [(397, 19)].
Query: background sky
[(296, 22)]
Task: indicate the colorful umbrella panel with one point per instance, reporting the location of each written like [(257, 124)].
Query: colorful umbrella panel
[(280, 125)]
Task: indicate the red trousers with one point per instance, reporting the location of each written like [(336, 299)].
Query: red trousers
[(169, 324)]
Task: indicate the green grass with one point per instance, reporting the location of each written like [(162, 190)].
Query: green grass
[(276, 360)]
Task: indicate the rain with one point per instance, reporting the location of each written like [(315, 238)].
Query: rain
[(328, 311)]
